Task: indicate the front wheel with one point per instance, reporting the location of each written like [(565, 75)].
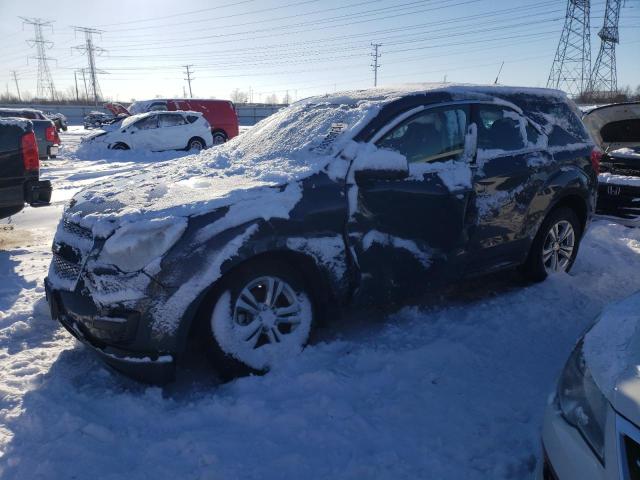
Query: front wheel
[(264, 315), (120, 146), (556, 245), (195, 144)]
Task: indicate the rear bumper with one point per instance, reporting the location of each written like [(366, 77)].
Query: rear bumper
[(37, 193), (80, 317)]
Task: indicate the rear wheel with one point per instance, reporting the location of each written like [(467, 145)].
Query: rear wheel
[(263, 315), (219, 138), (120, 146), (556, 245)]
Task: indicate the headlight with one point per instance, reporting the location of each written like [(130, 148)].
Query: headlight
[(135, 245), (582, 403)]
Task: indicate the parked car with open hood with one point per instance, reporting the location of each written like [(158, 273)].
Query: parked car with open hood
[(96, 119), (157, 131), (592, 423), (43, 128), (20, 182), (349, 198), (58, 119), (616, 128)]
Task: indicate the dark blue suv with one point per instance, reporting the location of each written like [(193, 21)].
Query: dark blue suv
[(366, 196)]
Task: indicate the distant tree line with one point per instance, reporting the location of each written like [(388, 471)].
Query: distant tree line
[(622, 95)]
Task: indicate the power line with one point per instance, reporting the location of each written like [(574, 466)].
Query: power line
[(604, 77), (45, 80), (571, 66), (91, 50)]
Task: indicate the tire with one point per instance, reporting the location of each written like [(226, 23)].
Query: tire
[(97, 124), (196, 144), (555, 247), (120, 146), (244, 333), (219, 138)]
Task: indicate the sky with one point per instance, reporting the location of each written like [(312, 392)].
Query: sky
[(299, 47)]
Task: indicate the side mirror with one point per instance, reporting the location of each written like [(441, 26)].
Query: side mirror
[(380, 164)]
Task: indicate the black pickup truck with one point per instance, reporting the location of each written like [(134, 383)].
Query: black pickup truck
[(20, 182)]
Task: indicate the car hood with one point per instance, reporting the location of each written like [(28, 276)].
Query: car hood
[(612, 354), (597, 118), (153, 194)]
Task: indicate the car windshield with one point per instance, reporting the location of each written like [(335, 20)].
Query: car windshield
[(301, 129), (130, 120)]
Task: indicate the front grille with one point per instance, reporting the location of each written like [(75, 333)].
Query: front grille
[(77, 230), (65, 269)]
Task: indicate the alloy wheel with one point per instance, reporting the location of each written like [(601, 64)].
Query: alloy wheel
[(267, 311), (558, 247)]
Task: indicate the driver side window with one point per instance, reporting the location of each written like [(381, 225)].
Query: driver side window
[(436, 134)]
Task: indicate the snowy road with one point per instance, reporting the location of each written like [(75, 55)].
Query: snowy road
[(452, 388)]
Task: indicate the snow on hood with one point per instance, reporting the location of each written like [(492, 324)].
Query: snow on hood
[(290, 145), (612, 352), (628, 153)]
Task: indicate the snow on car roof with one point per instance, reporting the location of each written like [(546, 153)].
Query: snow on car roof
[(15, 122)]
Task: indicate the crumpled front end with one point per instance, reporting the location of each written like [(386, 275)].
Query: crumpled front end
[(103, 307)]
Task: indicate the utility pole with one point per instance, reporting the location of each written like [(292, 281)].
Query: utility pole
[(188, 79), (604, 76), (91, 50), (75, 79), (375, 65), (571, 68), (45, 81), (15, 79)]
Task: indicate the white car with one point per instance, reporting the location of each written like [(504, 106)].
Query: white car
[(592, 424), (157, 131)]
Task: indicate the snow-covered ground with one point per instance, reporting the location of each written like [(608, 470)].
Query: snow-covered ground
[(451, 388)]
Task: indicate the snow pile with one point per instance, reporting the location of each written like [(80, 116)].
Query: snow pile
[(453, 388)]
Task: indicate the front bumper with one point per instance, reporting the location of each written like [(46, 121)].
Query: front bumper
[(568, 456), (82, 319)]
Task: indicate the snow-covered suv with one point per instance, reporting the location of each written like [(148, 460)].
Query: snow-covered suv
[(364, 196), (157, 131)]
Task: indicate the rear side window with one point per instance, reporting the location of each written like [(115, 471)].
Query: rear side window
[(167, 120), (621, 131), (563, 125), (433, 135), (192, 118), (499, 128)]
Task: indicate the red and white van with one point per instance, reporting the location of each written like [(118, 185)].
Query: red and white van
[(221, 114)]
